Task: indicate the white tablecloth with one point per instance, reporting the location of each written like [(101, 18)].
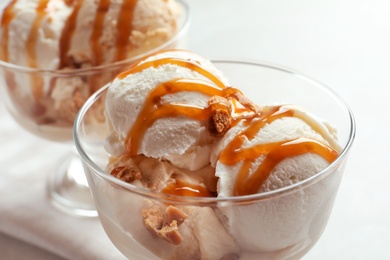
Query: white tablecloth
[(26, 214), (345, 44)]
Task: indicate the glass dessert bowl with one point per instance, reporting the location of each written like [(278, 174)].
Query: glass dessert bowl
[(45, 101), (279, 224)]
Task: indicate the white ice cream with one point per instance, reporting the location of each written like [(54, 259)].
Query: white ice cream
[(290, 170), (251, 231), (183, 141), (31, 38), (153, 23), (262, 218), (64, 34), (65, 37)]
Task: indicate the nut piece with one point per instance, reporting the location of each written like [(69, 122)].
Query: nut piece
[(164, 225), (246, 102), (220, 116), (153, 220), (174, 214), (125, 169), (171, 233), (126, 174)]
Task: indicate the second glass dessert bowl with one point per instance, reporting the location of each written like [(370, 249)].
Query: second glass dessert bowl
[(45, 103), (279, 224)]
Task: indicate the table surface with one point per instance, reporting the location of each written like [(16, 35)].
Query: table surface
[(344, 44)]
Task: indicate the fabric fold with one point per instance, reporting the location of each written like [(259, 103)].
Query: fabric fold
[(26, 213)]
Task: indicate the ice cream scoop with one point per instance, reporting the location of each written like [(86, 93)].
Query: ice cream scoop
[(282, 147), (55, 34), (178, 112), (149, 92), (62, 51)]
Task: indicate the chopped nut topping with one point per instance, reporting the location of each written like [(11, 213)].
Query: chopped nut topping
[(153, 221), (164, 225), (246, 102), (175, 214), (124, 168), (220, 118), (127, 174)]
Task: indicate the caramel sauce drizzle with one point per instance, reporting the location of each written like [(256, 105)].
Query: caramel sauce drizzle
[(273, 153), (32, 37), (8, 16), (67, 33), (35, 80), (153, 109), (190, 64), (97, 31), (124, 28), (182, 188)]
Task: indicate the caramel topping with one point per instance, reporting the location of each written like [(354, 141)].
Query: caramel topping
[(67, 34), (36, 81), (6, 19), (8, 16), (124, 27), (97, 31), (181, 188), (190, 64), (153, 109), (32, 37), (273, 153)]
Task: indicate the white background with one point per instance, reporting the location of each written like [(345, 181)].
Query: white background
[(342, 43), (346, 45)]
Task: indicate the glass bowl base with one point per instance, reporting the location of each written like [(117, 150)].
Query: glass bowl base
[(68, 188)]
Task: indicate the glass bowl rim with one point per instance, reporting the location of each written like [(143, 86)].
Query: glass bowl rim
[(233, 199), (111, 66)]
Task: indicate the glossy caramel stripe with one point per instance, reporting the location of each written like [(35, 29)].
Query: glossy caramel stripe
[(67, 34), (98, 27), (182, 188), (124, 28), (32, 37), (152, 110), (233, 153), (190, 64), (6, 19), (36, 80), (274, 152)]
